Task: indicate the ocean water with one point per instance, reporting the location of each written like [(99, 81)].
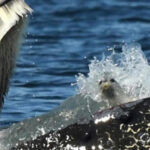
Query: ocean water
[(62, 39)]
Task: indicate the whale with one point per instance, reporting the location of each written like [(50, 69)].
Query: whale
[(72, 126), (69, 112)]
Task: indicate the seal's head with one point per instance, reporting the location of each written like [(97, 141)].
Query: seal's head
[(107, 87), (111, 90)]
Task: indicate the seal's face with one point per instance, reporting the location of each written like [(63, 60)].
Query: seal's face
[(111, 91), (107, 88)]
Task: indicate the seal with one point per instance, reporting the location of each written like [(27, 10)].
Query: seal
[(112, 91)]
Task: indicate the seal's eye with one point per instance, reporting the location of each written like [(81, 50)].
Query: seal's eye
[(100, 82), (112, 80)]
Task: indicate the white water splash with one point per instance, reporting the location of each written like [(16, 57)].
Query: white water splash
[(130, 69)]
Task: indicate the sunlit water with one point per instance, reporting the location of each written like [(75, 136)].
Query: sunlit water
[(62, 38)]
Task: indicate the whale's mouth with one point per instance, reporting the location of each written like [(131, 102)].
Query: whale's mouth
[(129, 68)]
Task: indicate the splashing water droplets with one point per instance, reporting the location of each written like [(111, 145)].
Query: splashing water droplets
[(129, 68)]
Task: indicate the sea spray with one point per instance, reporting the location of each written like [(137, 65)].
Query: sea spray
[(129, 67)]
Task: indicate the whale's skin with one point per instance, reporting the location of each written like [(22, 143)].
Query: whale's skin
[(123, 127)]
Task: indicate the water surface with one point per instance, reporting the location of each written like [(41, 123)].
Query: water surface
[(62, 37)]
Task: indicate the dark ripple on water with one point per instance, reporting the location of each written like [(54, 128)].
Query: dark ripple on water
[(59, 36)]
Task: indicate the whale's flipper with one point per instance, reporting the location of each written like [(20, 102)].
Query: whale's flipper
[(13, 14)]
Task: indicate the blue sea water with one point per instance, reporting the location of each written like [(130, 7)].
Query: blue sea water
[(62, 37)]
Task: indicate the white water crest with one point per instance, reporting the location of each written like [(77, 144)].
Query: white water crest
[(129, 67)]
